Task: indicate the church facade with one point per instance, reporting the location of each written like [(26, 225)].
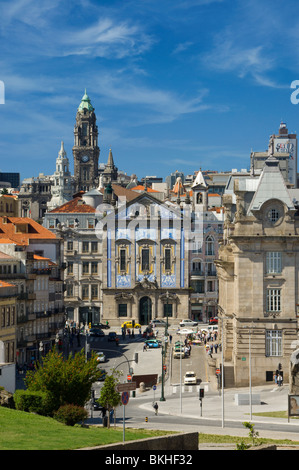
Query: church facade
[(145, 262)]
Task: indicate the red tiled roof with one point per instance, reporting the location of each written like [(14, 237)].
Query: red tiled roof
[(142, 188), (76, 205), (10, 229)]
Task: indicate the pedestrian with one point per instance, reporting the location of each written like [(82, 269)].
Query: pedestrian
[(170, 339), (156, 408), (211, 347), (279, 380), (145, 347), (116, 341), (216, 348)]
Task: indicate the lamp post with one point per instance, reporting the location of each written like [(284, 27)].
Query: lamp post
[(162, 384), (166, 327)]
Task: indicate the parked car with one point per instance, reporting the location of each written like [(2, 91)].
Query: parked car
[(153, 343), (213, 321), (96, 332), (102, 326), (102, 375), (129, 324), (158, 323), (190, 378), (101, 357), (97, 406), (112, 336), (188, 322)]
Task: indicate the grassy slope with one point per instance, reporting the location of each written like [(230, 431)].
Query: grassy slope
[(27, 431)]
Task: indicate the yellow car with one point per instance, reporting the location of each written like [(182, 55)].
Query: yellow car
[(128, 324)]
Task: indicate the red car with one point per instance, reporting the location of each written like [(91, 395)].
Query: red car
[(213, 321)]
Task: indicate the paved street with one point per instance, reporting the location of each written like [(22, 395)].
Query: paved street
[(181, 409)]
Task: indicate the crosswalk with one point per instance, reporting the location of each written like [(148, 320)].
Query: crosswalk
[(189, 388)]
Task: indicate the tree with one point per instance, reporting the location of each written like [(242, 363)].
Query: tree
[(109, 397), (66, 381)]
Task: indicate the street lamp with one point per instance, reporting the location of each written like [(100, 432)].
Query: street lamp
[(162, 385), (166, 327)]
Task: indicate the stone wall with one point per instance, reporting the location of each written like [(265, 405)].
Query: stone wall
[(177, 442)]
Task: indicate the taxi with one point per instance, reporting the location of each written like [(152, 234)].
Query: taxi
[(129, 324)]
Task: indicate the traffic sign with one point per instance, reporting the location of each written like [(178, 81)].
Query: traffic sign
[(129, 377), (125, 398), (125, 387)]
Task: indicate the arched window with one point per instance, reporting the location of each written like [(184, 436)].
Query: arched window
[(210, 246)]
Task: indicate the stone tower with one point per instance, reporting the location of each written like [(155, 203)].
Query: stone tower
[(86, 151), (63, 185)]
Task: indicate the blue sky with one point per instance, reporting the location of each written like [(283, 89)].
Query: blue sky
[(176, 85)]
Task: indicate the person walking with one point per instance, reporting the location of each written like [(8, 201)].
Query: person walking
[(156, 408)]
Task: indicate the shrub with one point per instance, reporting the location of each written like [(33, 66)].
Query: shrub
[(34, 402), (70, 414)]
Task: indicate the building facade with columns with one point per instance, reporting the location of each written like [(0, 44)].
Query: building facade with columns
[(258, 269)]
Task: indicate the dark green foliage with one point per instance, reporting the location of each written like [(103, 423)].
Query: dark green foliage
[(66, 381), (70, 414), (34, 402)]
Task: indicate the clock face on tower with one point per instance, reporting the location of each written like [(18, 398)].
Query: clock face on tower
[(85, 158)]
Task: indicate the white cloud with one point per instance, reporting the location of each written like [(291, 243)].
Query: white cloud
[(108, 38)]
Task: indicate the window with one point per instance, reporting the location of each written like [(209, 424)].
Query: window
[(85, 268), (198, 286), (69, 290), (145, 259), (210, 246), (85, 174), (123, 263), (196, 267), (273, 262), (94, 267), (70, 246), (94, 291), (210, 286), (84, 129), (94, 247), (70, 267), (90, 223), (273, 215), (85, 247), (167, 259), (273, 343), (122, 310), (51, 224), (85, 292), (72, 223), (167, 310), (196, 246), (273, 300)]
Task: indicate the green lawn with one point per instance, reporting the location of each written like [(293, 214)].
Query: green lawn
[(27, 431)]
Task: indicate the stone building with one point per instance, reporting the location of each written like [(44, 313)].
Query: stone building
[(207, 223), (8, 319), (30, 259), (258, 276), (34, 195)]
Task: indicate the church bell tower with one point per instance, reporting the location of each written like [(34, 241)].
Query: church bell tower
[(86, 151)]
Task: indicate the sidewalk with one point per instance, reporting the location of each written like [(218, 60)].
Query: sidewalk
[(187, 404)]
